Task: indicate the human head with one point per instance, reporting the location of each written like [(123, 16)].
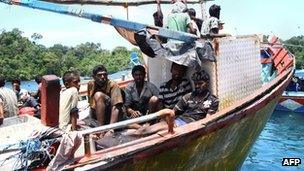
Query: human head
[(178, 7), (71, 79), (139, 73), (16, 84), (100, 75), (214, 11), (178, 71), (295, 79), (158, 20), (38, 79), (201, 81), (24, 95), (2, 81), (191, 13)]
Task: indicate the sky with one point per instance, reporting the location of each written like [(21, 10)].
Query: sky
[(241, 17)]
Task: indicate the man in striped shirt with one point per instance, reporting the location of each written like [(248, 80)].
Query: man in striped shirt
[(172, 91)]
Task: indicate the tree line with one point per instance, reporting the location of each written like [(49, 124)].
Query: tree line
[(25, 59), (296, 46)]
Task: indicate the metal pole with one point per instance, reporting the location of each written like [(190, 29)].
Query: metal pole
[(203, 10), (161, 113), (87, 147)]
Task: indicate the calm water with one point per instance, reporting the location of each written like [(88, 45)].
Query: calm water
[(32, 86), (283, 137)]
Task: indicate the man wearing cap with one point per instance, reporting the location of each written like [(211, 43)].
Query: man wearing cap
[(198, 104)]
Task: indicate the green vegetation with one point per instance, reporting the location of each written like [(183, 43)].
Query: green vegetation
[(296, 46), (24, 59)]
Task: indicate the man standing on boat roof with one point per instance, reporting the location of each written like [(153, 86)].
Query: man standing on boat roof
[(194, 21), (8, 102), (170, 92), (212, 25), (178, 20), (158, 15), (141, 95), (105, 98)]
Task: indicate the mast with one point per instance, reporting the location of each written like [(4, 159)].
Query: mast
[(125, 24), (203, 10)]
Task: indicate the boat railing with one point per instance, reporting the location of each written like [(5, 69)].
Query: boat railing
[(169, 116)]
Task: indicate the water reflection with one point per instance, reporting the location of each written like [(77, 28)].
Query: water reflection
[(282, 137)]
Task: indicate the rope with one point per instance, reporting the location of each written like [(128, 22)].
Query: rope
[(31, 151)]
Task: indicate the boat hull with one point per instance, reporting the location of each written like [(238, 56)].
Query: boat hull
[(291, 102), (220, 143), (224, 149)]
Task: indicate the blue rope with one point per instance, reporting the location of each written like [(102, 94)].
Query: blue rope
[(29, 150)]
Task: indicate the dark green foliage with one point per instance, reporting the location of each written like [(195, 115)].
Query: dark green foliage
[(19, 57), (296, 46)]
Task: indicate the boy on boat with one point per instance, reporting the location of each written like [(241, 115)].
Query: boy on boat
[(198, 104), (170, 92), (141, 95), (16, 85), (68, 111), (8, 102), (178, 20), (105, 98), (158, 15), (196, 23), (212, 25)]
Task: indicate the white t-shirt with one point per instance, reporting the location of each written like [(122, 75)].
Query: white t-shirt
[(8, 99), (210, 23), (68, 101)]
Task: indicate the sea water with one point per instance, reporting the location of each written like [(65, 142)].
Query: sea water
[(32, 86), (282, 137)]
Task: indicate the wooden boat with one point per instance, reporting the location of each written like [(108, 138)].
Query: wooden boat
[(292, 99), (291, 102), (219, 142)]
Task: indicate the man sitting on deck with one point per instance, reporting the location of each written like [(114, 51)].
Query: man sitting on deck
[(171, 92), (8, 102), (105, 98), (141, 96), (193, 106)]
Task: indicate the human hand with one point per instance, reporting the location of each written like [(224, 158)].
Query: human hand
[(135, 114), (109, 133)]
